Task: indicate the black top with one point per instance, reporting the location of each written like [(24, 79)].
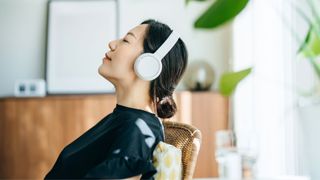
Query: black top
[(118, 146)]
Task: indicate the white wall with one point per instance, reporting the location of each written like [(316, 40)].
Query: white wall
[(22, 41), (23, 35), (309, 129)]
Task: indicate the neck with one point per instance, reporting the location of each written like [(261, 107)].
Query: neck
[(135, 95)]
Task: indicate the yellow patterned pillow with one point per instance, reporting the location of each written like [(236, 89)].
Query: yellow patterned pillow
[(167, 161)]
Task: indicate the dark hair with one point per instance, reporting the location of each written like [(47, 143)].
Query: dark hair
[(173, 66)]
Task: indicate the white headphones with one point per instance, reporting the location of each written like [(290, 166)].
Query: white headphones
[(148, 66)]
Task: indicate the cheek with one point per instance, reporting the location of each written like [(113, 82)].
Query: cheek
[(121, 67), (124, 62)]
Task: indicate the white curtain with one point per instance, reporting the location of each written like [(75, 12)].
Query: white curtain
[(264, 104)]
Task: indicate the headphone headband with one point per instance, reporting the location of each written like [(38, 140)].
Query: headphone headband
[(167, 45)]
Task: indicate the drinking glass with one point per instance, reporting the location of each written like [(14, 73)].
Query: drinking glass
[(229, 162), (236, 158), (248, 149)]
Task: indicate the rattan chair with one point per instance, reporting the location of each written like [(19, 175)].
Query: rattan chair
[(188, 139)]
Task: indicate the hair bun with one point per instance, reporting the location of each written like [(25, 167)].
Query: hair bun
[(166, 107)]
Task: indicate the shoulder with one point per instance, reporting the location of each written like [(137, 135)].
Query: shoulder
[(139, 124), (135, 116), (138, 129), (134, 138), (145, 123)]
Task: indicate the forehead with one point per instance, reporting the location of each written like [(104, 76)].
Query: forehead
[(139, 31)]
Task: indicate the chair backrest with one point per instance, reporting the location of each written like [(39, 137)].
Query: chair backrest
[(188, 139)]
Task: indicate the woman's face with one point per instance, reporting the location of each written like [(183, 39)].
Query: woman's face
[(119, 60)]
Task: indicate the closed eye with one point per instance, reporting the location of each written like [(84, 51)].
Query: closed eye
[(124, 40)]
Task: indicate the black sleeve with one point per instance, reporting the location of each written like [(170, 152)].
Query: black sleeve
[(130, 153)]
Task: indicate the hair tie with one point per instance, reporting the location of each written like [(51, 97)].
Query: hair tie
[(165, 99)]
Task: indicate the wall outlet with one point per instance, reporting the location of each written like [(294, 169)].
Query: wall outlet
[(30, 88)]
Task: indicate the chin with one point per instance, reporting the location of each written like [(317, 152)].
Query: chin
[(105, 74), (102, 72)]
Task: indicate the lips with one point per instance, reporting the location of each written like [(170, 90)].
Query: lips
[(107, 57)]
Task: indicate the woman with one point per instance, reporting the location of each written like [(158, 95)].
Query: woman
[(121, 144)]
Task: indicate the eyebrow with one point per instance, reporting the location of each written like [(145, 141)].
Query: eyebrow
[(130, 33)]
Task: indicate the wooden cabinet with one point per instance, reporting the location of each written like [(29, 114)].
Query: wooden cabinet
[(33, 131)]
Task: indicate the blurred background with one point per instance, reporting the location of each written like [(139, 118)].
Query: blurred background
[(254, 70)]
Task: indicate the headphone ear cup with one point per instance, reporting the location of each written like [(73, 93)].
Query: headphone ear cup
[(147, 67)]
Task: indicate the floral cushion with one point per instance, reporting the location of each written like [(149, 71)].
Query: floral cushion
[(167, 161)]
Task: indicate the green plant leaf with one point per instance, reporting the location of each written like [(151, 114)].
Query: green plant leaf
[(187, 1), (220, 12), (310, 48), (229, 81)]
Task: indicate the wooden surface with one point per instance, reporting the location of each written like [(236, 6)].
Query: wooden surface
[(33, 131)]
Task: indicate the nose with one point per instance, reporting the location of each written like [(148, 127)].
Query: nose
[(112, 45)]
